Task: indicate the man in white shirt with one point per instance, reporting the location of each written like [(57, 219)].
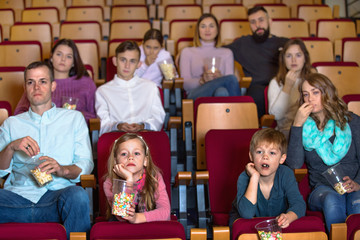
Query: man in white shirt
[(129, 103)]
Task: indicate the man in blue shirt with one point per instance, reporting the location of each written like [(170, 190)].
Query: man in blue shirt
[(61, 137)]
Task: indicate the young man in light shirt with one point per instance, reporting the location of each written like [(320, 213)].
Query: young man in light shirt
[(129, 103)]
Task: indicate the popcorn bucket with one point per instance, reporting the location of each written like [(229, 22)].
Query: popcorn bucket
[(269, 230), (69, 102), (168, 69), (212, 63), (335, 175), (42, 178), (124, 195)]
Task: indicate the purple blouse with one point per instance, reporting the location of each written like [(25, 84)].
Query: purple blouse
[(83, 88)]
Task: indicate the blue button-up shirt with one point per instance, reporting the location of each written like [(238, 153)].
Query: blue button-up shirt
[(61, 134)]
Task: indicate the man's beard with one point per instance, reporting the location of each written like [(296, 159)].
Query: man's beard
[(261, 38)]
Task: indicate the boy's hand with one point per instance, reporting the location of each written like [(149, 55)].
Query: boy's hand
[(285, 219), (350, 185), (251, 171), (121, 171)]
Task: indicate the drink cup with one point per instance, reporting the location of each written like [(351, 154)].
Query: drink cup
[(212, 63), (69, 102), (335, 175), (168, 69), (124, 195), (269, 230), (42, 178)]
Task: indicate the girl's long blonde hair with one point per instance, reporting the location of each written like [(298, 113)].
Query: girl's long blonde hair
[(147, 194)]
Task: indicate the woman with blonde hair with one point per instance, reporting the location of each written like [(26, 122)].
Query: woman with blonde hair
[(199, 79)]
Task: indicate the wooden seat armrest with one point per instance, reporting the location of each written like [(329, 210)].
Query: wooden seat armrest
[(179, 83), (221, 233), (300, 174), (94, 124), (78, 236), (198, 234), (167, 84), (183, 178), (174, 122), (267, 120), (170, 46), (338, 231), (188, 114), (245, 82), (201, 177), (88, 180)]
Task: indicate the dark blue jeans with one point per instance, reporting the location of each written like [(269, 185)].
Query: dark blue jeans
[(68, 206), (335, 207), (220, 87)]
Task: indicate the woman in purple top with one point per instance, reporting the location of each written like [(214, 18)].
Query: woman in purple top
[(199, 79), (72, 80)]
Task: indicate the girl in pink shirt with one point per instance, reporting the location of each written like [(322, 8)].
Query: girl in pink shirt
[(130, 160)]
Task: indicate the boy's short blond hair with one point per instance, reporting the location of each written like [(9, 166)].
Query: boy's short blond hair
[(271, 136)]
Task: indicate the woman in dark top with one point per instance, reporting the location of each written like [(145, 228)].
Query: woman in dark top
[(325, 133)]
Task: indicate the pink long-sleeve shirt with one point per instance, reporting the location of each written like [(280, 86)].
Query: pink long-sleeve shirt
[(162, 210), (192, 63)]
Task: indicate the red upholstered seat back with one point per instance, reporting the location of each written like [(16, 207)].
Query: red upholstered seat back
[(34, 231), (159, 146), (353, 225), (227, 153), (150, 230)]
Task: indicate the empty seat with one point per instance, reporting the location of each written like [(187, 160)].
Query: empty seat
[(59, 4), (334, 29), (228, 11), (44, 14), (129, 29), (19, 53), (89, 53), (277, 10), (180, 29), (344, 75), (129, 2), (85, 30), (320, 49), (289, 28), (293, 4), (250, 3), (11, 85), (7, 19), (311, 13), (129, 12), (35, 31), (353, 102), (88, 13), (101, 3), (351, 49), (231, 29), (16, 5)]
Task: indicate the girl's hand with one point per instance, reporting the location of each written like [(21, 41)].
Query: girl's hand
[(251, 171), (290, 80), (350, 185), (302, 114), (131, 214), (121, 171), (283, 220)]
